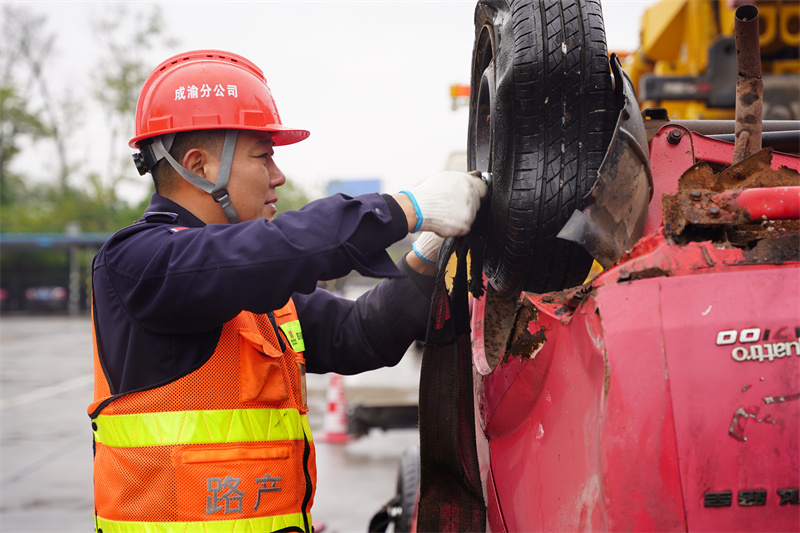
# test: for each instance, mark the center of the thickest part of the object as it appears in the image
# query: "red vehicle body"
(664, 395)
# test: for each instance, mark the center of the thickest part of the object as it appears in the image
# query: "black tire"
(407, 487)
(541, 117)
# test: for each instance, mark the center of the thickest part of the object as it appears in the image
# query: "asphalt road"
(46, 377)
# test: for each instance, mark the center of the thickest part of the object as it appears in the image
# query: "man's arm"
(198, 278)
(374, 331)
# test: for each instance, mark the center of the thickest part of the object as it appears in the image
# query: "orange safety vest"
(226, 447)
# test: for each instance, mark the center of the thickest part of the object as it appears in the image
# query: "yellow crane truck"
(686, 62)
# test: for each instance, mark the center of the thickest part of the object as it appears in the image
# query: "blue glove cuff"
(421, 258)
(416, 210)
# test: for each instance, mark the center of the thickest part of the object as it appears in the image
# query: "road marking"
(46, 392)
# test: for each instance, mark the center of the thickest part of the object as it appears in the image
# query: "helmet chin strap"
(217, 190)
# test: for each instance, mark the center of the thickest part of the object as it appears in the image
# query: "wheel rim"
(483, 124)
(480, 139)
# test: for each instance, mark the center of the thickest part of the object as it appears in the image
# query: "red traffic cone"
(334, 423)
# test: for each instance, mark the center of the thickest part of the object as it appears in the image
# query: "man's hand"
(446, 203)
(425, 253)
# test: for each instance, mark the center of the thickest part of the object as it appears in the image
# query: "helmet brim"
(281, 135)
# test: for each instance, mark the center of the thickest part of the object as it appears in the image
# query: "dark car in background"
(51, 298)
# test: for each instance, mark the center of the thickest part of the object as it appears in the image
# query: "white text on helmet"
(205, 91)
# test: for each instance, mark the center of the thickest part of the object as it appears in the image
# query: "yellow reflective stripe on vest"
(265, 524)
(200, 427)
(294, 333)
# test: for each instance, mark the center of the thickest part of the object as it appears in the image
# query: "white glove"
(426, 247)
(446, 203)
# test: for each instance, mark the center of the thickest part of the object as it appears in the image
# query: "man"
(206, 313)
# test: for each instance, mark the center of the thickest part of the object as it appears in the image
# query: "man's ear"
(199, 161)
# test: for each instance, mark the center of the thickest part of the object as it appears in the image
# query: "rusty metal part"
(523, 343)
(752, 173)
(501, 329)
(740, 195)
(576, 296)
(749, 85)
(736, 207)
(645, 273)
(616, 218)
(706, 156)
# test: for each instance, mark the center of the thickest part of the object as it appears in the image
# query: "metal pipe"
(714, 127)
(787, 142)
(765, 203)
(717, 127)
(749, 86)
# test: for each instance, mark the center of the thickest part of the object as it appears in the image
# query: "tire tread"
(563, 118)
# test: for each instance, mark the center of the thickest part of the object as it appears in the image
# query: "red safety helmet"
(208, 89)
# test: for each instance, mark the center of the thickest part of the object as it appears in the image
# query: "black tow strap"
(451, 498)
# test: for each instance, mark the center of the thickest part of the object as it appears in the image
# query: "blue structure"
(353, 187)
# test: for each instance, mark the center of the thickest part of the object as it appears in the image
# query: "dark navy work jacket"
(164, 287)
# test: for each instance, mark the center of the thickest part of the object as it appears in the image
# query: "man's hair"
(165, 177)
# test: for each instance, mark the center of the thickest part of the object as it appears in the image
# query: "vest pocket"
(261, 377)
(225, 482)
(235, 454)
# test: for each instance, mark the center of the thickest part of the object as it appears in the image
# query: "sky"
(369, 79)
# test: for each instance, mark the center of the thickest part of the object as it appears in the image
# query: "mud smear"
(498, 325)
(780, 248)
(523, 343)
(506, 328)
(781, 399)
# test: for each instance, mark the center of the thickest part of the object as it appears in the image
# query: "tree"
(28, 113)
(121, 73)
(16, 122)
(27, 51)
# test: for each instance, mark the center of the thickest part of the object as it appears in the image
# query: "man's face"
(254, 176)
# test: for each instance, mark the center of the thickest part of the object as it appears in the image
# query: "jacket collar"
(180, 215)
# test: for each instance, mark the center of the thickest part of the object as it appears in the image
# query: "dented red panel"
(642, 483)
(732, 350)
(541, 416)
(633, 417)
